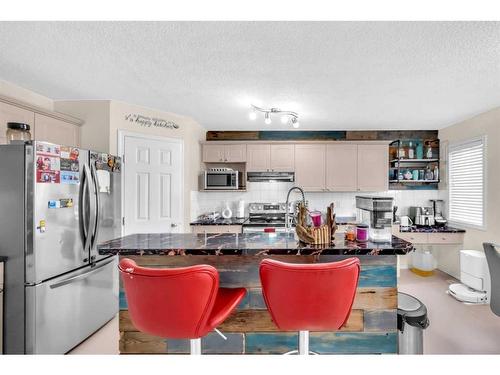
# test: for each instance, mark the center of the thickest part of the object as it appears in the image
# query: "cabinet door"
(258, 158)
(341, 167)
(310, 166)
(213, 153)
(56, 131)
(282, 158)
(235, 153)
(373, 167)
(11, 113)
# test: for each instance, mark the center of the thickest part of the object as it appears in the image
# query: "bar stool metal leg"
(195, 346)
(303, 342)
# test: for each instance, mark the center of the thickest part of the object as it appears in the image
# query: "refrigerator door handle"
(84, 199)
(98, 205)
(72, 279)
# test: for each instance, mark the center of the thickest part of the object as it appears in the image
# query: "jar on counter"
(17, 131)
(350, 233)
(362, 232)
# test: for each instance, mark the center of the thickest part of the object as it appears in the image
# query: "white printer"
(475, 278)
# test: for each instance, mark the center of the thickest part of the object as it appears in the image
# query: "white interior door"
(152, 190)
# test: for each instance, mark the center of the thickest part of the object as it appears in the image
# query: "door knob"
(173, 225)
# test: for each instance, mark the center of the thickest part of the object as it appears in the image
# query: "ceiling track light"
(286, 116)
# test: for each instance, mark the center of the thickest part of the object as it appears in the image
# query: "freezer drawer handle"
(79, 277)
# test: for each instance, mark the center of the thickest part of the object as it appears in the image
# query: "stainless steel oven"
(222, 179)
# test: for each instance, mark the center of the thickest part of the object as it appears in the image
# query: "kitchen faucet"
(287, 212)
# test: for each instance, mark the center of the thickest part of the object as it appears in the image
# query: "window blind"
(466, 182)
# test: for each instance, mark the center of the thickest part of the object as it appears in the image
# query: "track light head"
(267, 118)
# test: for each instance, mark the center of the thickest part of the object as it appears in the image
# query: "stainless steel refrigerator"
(56, 204)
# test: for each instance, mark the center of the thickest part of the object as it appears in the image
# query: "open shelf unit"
(400, 164)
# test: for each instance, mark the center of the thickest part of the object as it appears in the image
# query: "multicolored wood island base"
(371, 328)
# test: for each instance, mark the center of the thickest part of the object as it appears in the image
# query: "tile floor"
(455, 328)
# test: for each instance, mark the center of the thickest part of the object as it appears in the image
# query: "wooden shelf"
(223, 190)
(410, 181)
(414, 160)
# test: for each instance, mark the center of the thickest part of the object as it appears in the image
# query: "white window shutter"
(466, 183)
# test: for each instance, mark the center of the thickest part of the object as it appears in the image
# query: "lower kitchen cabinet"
(434, 238)
(214, 229)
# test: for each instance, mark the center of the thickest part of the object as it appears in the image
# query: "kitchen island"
(371, 328)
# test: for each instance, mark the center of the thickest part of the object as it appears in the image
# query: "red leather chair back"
(170, 303)
(309, 297)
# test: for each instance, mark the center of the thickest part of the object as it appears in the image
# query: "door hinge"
(123, 220)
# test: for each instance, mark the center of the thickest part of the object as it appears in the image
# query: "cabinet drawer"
(446, 238)
(415, 238)
(202, 229)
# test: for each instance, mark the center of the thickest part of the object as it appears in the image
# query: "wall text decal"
(148, 122)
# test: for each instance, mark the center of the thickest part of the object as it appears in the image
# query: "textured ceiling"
(336, 75)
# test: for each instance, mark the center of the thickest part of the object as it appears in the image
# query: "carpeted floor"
(455, 328)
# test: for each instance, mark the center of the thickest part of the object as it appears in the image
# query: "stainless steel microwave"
(223, 180)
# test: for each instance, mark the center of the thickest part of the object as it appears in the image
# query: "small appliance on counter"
(475, 277)
(437, 207)
(376, 212)
(422, 216)
(222, 179)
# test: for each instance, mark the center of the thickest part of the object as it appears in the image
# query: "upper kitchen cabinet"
(10, 113)
(270, 157)
(373, 167)
(235, 153)
(282, 157)
(310, 166)
(221, 153)
(341, 167)
(258, 157)
(56, 131)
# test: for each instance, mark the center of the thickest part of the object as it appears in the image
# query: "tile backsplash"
(345, 205)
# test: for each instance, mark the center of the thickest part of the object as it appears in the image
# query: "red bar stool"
(177, 303)
(309, 297)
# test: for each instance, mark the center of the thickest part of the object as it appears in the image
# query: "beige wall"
(104, 118)
(488, 124)
(27, 96)
(94, 133)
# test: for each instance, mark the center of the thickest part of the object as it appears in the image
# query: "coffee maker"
(437, 206)
(376, 212)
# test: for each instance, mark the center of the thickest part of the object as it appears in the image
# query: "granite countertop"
(236, 221)
(220, 221)
(415, 229)
(244, 244)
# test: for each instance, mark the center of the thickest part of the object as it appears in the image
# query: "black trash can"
(412, 320)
